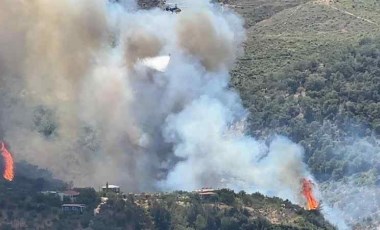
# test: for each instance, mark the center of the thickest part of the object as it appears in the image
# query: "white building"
(111, 188)
(70, 195)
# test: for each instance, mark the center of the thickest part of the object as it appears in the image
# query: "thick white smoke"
(76, 99)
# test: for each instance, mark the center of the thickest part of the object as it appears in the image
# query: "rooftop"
(205, 190)
(111, 186)
(49, 192)
(207, 193)
(71, 193)
(74, 205)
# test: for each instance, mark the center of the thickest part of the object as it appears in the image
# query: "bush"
(226, 196)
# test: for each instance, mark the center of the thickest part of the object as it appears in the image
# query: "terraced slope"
(283, 32)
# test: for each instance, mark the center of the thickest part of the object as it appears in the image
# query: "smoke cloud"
(76, 100)
(356, 196)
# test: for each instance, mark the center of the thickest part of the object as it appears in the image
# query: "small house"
(46, 193)
(71, 195)
(111, 188)
(206, 192)
(73, 208)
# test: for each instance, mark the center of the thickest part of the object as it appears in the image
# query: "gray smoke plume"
(76, 100)
(357, 194)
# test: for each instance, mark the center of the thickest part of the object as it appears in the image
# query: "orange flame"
(9, 168)
(307, 191)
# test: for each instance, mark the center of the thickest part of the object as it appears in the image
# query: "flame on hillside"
(8, 161)
(307, 191)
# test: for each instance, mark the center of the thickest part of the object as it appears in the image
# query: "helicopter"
(172, 9)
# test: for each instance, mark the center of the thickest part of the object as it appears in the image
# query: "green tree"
(161, 217)
(200, 223)
(226, 196)
(88, 197)
(228, 223)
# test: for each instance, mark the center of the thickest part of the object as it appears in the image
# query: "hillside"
(307, 37)
(289, 31)
(21, 203)
(223, 209)
(23, 206)
(82, 108)
(310, 71)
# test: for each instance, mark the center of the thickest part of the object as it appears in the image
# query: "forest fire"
(9, 168)
(307, 191)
